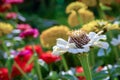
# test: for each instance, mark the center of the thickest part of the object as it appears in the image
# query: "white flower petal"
(91, 35)
(101, 44)
(61, 41)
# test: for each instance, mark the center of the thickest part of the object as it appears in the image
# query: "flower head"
(29, 33)
(4, 7)
(106, 1)
(49, 36)
(13, 1)
(80, 70)
(90, 3)
(75, 6)
(11, 15)
(85, 15)
(79, 42)
(23, 26)
(98, 25)
(48, 57)
(116, 41)
(5, 28)
(21, 60)
(4, 74)
(37, 48)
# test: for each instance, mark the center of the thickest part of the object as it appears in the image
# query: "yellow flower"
(75, 6)
(5, 28)
(90, 3)
(90, 27)
(98, 25)
(49, 36)
(84, 15)
(106, 1)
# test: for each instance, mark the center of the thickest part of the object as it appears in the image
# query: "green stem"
(79, 19)
(114, 49)
(107, 65)
(92, 58)
(100, 11)
(85, 64)
(37, 66)
(64, 63)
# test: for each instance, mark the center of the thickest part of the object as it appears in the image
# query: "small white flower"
(67, 72)
(116, 41)
(41, 62)
(17, 38)
(79, 42)
(16, 31)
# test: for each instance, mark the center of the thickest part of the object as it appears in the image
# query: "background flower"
(49, 36)
(29, 33)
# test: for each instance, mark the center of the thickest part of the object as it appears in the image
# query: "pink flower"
(11, 15)
(29, 33)
(13, 1)
(23, 26)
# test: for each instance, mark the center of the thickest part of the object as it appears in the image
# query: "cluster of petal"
(106, 1)
(75, 6)
(63, 46)
(49, 36)
(93, 3)
(21, 60)
(4, 74)
(80, 70)
(116, 41)
(4, 7)
(13, 1)
(11, 15)
(84, 14)
(90, 3)
(29, 33)
(5, 28)
(49, 58)
(23, 27)
(98, 25)
(37, 48)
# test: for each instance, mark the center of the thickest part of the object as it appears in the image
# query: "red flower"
(37, 48)
(11, 15)
(80, 70)
(48, 57)
(4, 7)
(29, 33)
(13, 1)
(23, 26)
(4, 74)
(21, 60)
(99, 69)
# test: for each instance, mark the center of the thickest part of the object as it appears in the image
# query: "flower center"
(78, 37)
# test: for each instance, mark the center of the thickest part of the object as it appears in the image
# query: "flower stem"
(100, 11)
(114, 48)
(85, 64)
(92, 58)
(37, 66)
(107, 65)
(64, 63)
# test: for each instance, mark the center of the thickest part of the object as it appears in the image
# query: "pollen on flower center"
(78, 37)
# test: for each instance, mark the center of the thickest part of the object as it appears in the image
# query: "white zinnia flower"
(116, 41)
(79, 42)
